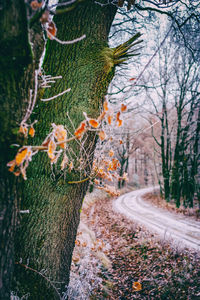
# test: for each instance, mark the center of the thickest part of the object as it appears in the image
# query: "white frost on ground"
(181, 230)
(88, 257)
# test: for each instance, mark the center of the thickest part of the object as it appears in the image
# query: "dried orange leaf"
(77, 242)
(23, 129)
(46, 143)
(94, 123)
(137, 286)
(60, 133)
(21, 156)
(123, 107)
(111, 153)
(63, 145)
(12, 165)
(110, 117)
(101, 171)
(64, 162)
(102, 135)
(110, 167)
(80, 130)
(117, 115)
(32, 131)
(115, 164)
(36, 5)
(96, 181)
(110, 190)
(17, 173)
(51, 28)
(119, 123)
(51, 149)
(105, 106)
(55, 158)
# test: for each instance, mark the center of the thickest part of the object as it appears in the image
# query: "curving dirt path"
(180, 229)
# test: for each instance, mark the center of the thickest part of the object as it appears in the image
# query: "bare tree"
(174, 95)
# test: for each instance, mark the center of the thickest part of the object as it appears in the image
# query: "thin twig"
(54, 97)
(65, 42)
(46, 147)
(31, 104)
(50, 282)
(80, 181)
(150, 60)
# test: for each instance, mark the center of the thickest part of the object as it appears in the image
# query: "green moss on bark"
(47, 234)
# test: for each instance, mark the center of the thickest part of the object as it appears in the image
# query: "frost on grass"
(84, 278)
(89, 258)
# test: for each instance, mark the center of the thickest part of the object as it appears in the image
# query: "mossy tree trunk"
(46, 235)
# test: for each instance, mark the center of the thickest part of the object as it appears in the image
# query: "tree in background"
(174, 95)
(184, 172)
(183, 35)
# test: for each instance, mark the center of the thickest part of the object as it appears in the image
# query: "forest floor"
(116, 258)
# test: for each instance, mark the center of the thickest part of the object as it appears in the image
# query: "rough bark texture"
(15, 55)
(46, 235)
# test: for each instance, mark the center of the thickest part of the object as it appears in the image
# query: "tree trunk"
(15, 56)
(46, 236)
(175, 178)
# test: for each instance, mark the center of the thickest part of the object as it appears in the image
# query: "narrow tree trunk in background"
(175, 179)
(146, 174)
(47, 234)
(123, 168)
(194, 159)
(165, 154)
(136, 166)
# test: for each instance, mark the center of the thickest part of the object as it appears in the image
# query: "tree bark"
(15, 56)
(46, 236)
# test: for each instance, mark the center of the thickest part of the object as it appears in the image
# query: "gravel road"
(181, 230)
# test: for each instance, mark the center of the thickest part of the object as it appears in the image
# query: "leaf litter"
(124, 260)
